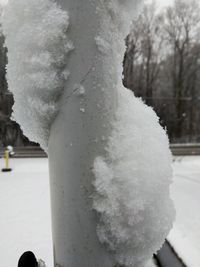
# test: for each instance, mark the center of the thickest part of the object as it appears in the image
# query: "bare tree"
(144, 53)
(182, 26)
(162, 65)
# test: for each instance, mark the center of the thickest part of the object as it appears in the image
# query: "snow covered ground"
(25, 211)
(185, 236)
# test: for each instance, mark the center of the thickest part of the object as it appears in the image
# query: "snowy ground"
(185, 236)
(25, 212)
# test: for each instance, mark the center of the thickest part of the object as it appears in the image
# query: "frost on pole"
(37, 42)
(131, 175)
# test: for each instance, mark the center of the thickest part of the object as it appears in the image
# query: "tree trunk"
(81, 128)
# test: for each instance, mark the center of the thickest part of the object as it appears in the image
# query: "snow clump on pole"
(38, 45)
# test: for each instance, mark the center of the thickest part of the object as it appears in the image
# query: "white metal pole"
(79, 132)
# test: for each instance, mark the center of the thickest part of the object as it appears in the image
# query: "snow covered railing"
(37, 152)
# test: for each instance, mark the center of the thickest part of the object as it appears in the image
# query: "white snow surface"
(185, 235)
(132, 184)
(37, 42)
(25, 217)
(25, 211)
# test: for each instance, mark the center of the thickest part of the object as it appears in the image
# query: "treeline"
(162, 65)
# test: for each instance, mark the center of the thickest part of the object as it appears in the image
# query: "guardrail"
(37, 152)
(185, 149)
(27, 152)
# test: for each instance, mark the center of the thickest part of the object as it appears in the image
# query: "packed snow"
(38, 45)
(116, 17)
(41, 263)
(132, 184)
(133, 178)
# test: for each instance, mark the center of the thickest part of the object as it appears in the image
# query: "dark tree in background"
(182, 27)
(143, 55)
(162, 65)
